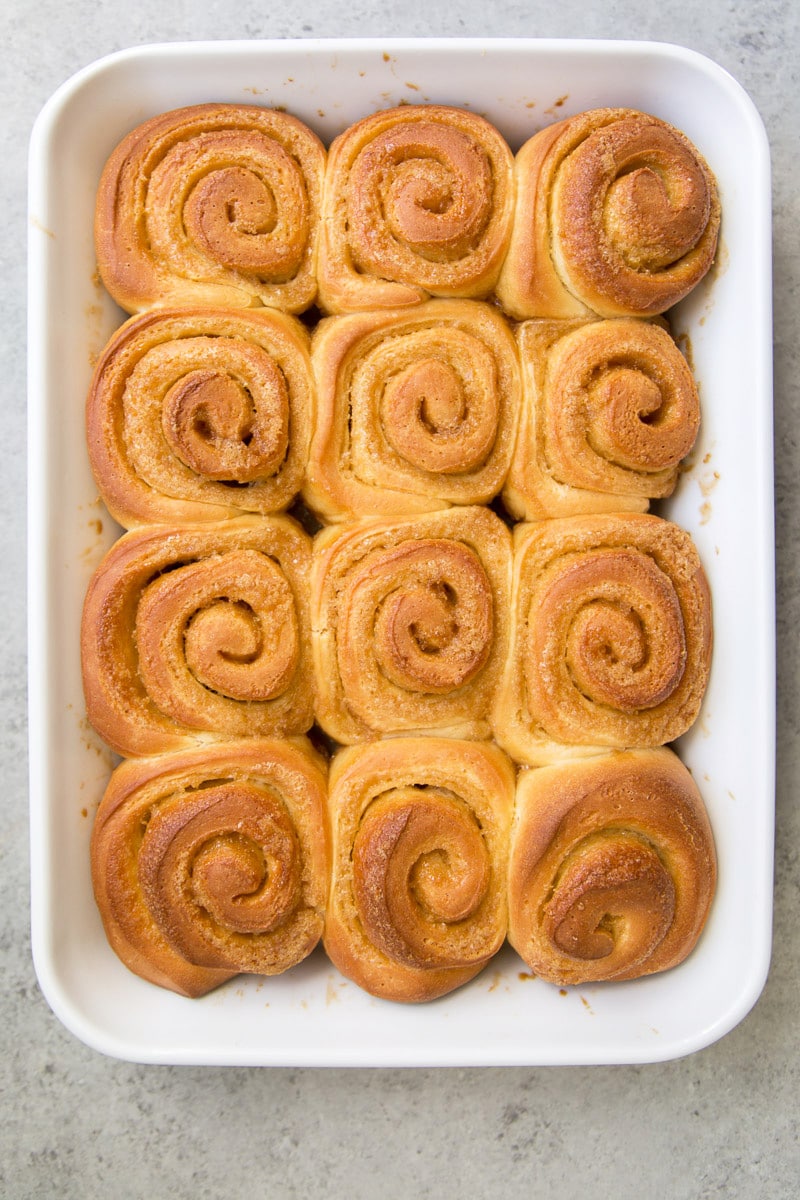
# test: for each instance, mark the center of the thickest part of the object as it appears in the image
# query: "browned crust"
(345, 556)
(354, 469)
(348, 285)
(136, 791)
(117, 700)
(542, 712)
(562, 262)
(119, 396)
(136, 276)
(642, 806)
(483, 778)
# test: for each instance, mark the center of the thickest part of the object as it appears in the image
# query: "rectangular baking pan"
(312, 1016)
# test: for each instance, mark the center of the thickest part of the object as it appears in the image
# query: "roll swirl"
(612, 867)
(410, 624)
(213, 862)
(617, 213)
(201, 415)
(420, 844)
(611, 637)
(610, 410)
(212, 204)
(196, 633)
(418, 202)
(417, 410)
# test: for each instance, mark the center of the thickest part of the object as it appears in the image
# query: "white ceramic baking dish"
(312, 1016)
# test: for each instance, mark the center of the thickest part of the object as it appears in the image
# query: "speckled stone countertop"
(722, 1122)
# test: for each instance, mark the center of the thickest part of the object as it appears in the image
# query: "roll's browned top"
(418, 202)
(196, 633)
(201, 414)
(410, 624)
(212, 862)
(612, 869)
(610, 409)
(417, 410)
(212, 204)
(616, 213)
(420, 842)
(611, 637)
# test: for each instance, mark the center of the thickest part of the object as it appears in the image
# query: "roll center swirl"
(435, 418)
(235, 198)
(613, 896)
(227, 211)
(655, 212)
(629, 387)
(220, 867)
(215, 425)
(421, 870)
(429, 604)
(221, 406)
(429, 186)
(227, 623)
(611, 627)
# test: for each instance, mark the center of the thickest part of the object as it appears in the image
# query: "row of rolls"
(411, 859)
(564, 637)
(611, 211)
(391, 646)
(204, 414)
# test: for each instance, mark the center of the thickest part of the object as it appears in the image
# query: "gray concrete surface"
(723, 1122)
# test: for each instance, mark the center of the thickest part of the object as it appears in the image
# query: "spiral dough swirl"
(218, 203)
(617, 213)
(199, 632)
(201, 415)
(418, 203)
(420, 829)
(209, 863)
(611, 409)
(417, 410)
(420, 869)
(612, 867)
(612, 637)
(410, 623)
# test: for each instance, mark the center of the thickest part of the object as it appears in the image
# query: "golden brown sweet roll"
(213, 204)
(201, 415)
(612, 868)
(410, 624)
(617, 213)
(610, 409)
(611, 637)
(417, 410)
(419, 829)
(193, 633)
(418, 202)
(213, 862)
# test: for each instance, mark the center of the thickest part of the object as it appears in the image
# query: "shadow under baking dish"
(312, 1016)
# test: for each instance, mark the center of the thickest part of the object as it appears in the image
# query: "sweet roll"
(417, 410)
(612, 867)
(418, 202)
(610, 409)
(214, 204)
(201, 414)
(197, 633)
(410, 624)
(617, 213)
(610, 641)
(212, 862)
(419, 831)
